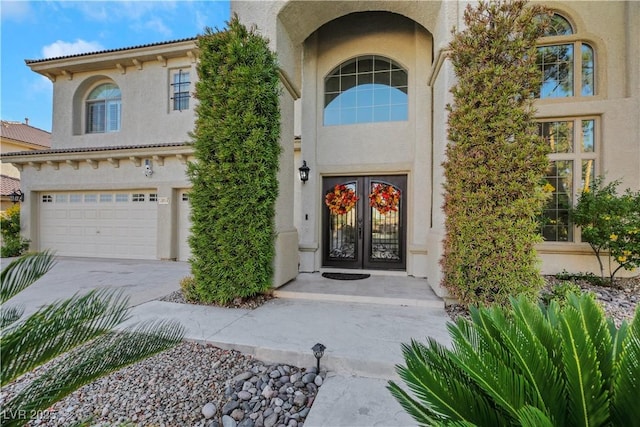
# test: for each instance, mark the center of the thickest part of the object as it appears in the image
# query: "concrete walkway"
(362, 323)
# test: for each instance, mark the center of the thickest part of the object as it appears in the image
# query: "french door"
(364, 221)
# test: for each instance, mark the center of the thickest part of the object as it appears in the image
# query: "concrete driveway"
(142, 280)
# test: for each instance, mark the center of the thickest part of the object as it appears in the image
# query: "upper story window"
(366, 89)
(180, 85)
(567, 64)
(104, 109)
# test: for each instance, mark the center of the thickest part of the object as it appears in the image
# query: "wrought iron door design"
(364, 222)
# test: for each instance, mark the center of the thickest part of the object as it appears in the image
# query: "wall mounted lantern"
(16, 196)
(148, 170)
(304, 172)
(318, 352)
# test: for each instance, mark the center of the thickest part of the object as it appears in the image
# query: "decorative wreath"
(341, 200)
(385, 198)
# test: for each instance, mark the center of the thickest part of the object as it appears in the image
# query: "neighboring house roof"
(8, 185)
(22, 132)
(35, 61)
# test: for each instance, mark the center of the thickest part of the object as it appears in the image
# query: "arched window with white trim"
(104, 109)
(366, 89)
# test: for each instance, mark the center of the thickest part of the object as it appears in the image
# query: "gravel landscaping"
(191, 385)
(618, 301)
(198, 384)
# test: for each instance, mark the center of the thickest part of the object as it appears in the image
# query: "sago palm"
(76, 336)
(527, 365)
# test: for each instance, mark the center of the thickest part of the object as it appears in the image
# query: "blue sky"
(48, 29)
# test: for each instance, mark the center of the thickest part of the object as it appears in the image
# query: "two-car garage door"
(110, 224)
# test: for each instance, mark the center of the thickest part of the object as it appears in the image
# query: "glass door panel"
(363, 222)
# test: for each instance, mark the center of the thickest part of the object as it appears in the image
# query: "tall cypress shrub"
(234, 177)
(495, 159)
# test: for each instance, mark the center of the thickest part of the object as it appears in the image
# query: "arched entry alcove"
(366, 113)
(311, 39)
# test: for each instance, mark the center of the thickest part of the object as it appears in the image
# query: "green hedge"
(234, 177)
(495, 160)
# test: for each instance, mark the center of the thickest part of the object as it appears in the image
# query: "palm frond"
(595, 324)
(534, 344)
(58, 328)
(444, 391)
(488, 365)
(105, 354)
(529, 416)
(23, 272)
(586, 391)
(419, 412)
(8, 316)
(618, 335)
(523, 353)
(625, 408)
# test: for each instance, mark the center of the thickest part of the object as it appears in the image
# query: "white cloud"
(155, 25)
(61, 48)
(117, 11)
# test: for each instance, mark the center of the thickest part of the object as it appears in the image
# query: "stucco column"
(286, 243)
(167, 227)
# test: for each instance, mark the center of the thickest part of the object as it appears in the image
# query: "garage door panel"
(75, 213)
(60, 214)
(106, 214)
(75, 231)
(98, 224)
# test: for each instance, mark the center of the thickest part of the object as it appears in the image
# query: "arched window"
(104, 109)
(366, 89)
(560, 61)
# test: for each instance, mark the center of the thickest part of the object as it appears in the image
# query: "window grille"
(180, 90)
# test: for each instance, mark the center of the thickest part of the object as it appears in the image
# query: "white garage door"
(109, 224)
(184, 226)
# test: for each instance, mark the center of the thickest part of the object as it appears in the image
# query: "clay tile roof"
(93, 149)
(25, 133)
(8, 185)
(35, 61)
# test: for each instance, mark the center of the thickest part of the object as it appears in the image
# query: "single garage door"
(184, 226)
(109, 224)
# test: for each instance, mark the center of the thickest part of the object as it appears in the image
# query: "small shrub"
(610, 223)
(577, 277)
(13, 244)
(188, 287)
(560, 293)
(527, 365)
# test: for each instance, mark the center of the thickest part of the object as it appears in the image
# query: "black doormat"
(345, 276)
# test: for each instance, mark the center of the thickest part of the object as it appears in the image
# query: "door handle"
(360, 228)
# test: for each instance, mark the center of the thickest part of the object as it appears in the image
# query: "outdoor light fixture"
(16, 196)
(148, 170)
(304, 174)
(318, 351)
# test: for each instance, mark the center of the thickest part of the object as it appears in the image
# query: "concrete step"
(395, 290)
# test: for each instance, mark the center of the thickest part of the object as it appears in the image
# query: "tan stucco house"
(17, 137)
(365, 86)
